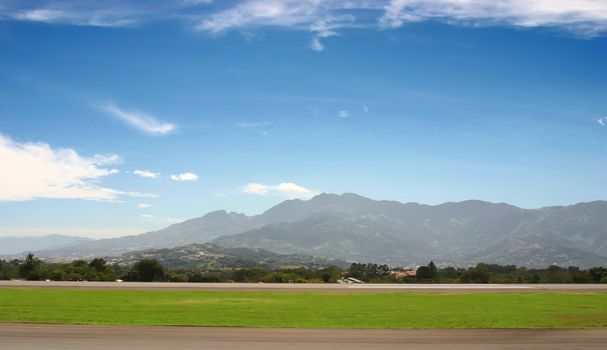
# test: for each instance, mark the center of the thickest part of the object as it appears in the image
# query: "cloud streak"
(79, 13)
(147, 174)
(138, 120)
(286, 189)
(184, 177)
(321, 18)
(252, 125)
(583, 17)
(35, 170)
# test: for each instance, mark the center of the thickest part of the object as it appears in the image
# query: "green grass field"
(305, 309)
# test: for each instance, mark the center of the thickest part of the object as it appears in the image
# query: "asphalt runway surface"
(316, 287)
(67, 337)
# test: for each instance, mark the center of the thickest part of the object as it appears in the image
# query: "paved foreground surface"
(309, 286)
(50, 337)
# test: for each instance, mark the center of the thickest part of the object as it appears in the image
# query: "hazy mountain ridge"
(354, 228)
(14, 245)
(197, 230)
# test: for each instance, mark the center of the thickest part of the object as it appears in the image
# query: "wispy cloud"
(316, 45)
(343, 114)
(146, 216)
(602, 121)
(314, 110)
(583, 17)
(252, 125)
(326, 18)
(138, 120)
(143, 205)
(36, 170)
(365, 108)
(80, 14)
(321, 18)
(286, 189)
(279, 13)
(184, 177)
(147, 174)
(196, 2)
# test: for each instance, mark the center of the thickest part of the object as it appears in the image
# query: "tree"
(426, 272)
(330, 274)
(477, 274)
(29, 268)
(249, 275)
(555, 274)
(146, 270)
(432, 270)
(598, 273)
(98, 264)
(422, 273)
(450, 273)
(368, 272)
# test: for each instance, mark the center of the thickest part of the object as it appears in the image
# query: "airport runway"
(67, 337)
(310, 286)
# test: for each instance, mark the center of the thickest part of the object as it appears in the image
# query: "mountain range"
(354, 228)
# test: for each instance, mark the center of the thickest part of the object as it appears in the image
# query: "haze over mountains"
(14, 245)
(354, 228)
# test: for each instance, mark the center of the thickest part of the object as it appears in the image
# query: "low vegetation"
(305, 309)
(147, 270)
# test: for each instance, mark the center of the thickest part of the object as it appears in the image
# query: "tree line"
(148, 270)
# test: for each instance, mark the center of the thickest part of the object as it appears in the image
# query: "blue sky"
(118, 117)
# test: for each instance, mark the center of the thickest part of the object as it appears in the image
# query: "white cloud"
(184, 177)
(284, 13)
(287, 189)
(343, 114)
(144, 205)
(256, 188)
(602, 121)
(35, 170)
(322, 18)
(316, 45)
(139, 120)
(146, 216)
(107, 159)
(78, 15)
(583, 17)
(365, 108)
(147, 174)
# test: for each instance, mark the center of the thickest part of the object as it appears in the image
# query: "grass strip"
(306, 309)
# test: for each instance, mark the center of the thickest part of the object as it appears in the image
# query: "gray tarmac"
(67, 337)
(309, 286)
